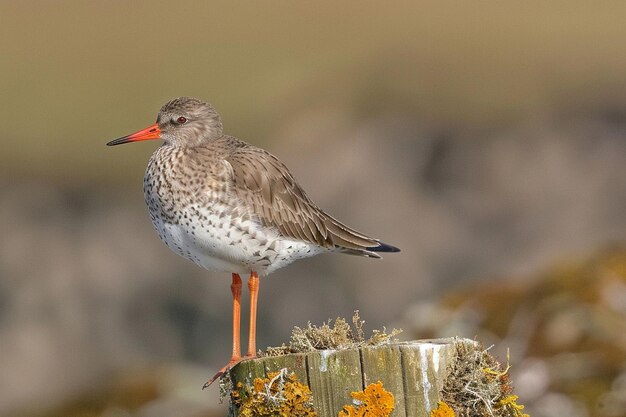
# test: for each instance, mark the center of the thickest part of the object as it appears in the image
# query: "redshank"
(232, 207)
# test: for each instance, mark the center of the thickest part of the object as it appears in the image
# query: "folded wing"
(271, 194)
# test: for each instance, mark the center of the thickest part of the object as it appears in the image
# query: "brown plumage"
(230, 206)
(271, 194)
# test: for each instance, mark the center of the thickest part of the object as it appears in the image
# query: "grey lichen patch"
(338, 335)
(226, 386)
(477, 385)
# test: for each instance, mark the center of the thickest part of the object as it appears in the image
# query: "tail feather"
(370, 252)
(360, 252)
(347, 240)
(383, 247)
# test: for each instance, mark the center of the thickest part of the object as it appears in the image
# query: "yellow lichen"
(497, 373)
(511, 407)
(277, 395)
(373, 401)
(442, 410)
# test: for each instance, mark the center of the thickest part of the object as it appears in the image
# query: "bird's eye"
(181, 120)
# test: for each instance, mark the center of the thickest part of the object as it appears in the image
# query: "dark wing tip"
(383, 247)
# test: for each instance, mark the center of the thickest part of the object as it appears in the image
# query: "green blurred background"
(487, 140)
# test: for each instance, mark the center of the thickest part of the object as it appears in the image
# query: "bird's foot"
(226, 368)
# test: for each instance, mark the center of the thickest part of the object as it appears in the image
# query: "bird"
(232, 207)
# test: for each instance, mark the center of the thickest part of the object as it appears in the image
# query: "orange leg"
(235, 288)
(253, 286)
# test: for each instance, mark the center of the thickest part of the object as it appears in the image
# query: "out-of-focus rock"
(613, 403)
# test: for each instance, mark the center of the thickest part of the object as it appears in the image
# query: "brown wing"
(274, 197)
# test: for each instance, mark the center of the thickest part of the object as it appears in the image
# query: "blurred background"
(488, 141)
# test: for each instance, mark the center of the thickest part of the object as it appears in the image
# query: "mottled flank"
(232, 207)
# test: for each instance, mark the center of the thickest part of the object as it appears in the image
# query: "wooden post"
(414, 372)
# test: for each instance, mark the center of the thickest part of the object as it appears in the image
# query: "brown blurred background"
(487, 140)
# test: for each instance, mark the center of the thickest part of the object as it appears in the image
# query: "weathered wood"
(295, 363)
(414, 372)
(384, 364)
(246, 371)
(333, 375)
(424, 368)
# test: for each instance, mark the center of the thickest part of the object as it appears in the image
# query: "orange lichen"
(442, 410)
(373, 401)
(277, 395)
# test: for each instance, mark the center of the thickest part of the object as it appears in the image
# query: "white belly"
(218, 242)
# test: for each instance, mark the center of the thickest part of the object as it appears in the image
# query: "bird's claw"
(216, 376)
(227, 368)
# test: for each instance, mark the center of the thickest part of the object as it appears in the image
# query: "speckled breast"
(195, 216)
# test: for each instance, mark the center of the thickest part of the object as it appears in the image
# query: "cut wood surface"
(414, 372)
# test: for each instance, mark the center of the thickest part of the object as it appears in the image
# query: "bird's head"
(181, 122)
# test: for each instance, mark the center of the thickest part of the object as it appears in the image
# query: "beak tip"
(151, 132)
(116, 142)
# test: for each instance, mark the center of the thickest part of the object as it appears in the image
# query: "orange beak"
(150, 132)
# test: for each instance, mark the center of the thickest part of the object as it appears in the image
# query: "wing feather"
(273, 197)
